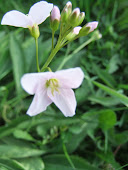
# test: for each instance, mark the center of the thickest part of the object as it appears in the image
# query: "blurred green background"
(96, 137)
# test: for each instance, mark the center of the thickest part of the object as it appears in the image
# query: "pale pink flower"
(55, 14)
(53, 87)
(37, 14)
(93, 25)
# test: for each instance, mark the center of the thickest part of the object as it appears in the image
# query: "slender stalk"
(37, 60)
(117, 149)
(106, 142)
(53, 33)
(61, 27)
(57, 47)
(68, 157)
(83, 45)
(74, 52)
(122, 167)
(53, 53)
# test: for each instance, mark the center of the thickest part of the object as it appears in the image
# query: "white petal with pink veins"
(33, 81)
(40, 11)
(70, 78)
(65, 100)
(15, 18)
(39, 103)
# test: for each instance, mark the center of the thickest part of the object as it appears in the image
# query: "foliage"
(96, 137)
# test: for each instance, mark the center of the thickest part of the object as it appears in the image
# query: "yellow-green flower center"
(53, 84)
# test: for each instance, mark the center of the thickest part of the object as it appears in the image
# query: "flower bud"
(89, 27)
(69, 7)
(55, 18)
(34, 30)
(73, 33)
(92, 25)
(97, 35)
(74, 17)
(81, 17)
(66, 12)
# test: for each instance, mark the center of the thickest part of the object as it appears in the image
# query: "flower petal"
(70, 78)
(39, 103)
(64, 100)
(33, 81)
(15, 18)
(40, 11)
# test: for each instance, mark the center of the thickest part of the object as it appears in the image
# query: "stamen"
(53, 84)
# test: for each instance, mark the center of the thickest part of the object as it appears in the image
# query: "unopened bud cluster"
(71, 19)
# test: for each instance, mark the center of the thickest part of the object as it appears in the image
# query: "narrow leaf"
(11, 164)
(123, 99)
(17, 61)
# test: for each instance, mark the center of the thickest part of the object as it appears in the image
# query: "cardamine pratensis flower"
(37, 14)
(56, 87)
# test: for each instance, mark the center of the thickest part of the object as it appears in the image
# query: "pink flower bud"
(76, 12)
(81, 17)
(68, 4)
(74, 17)
(76, 30)
(66, 12)
(73, 33)
(93, 25)
(55, 14)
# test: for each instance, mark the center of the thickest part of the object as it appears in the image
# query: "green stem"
(68, 157)
(57, 47)
(53, 53)
(61, 27)
(106, 142)
(37, 60)
(53, 32)
(74, 52)
(122, 167)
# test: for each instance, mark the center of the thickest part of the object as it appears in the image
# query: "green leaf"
(108, 158)
(121, 97)
(114, 64)
(5, 66)
(105, 101)
(17, 61)
(11, 164)
(103, 75)
(119, 138)
(81, 93)
(18, 151)
(20, 134)
(35, 163)
(59, 161)
(107, 119)
(7, 130)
